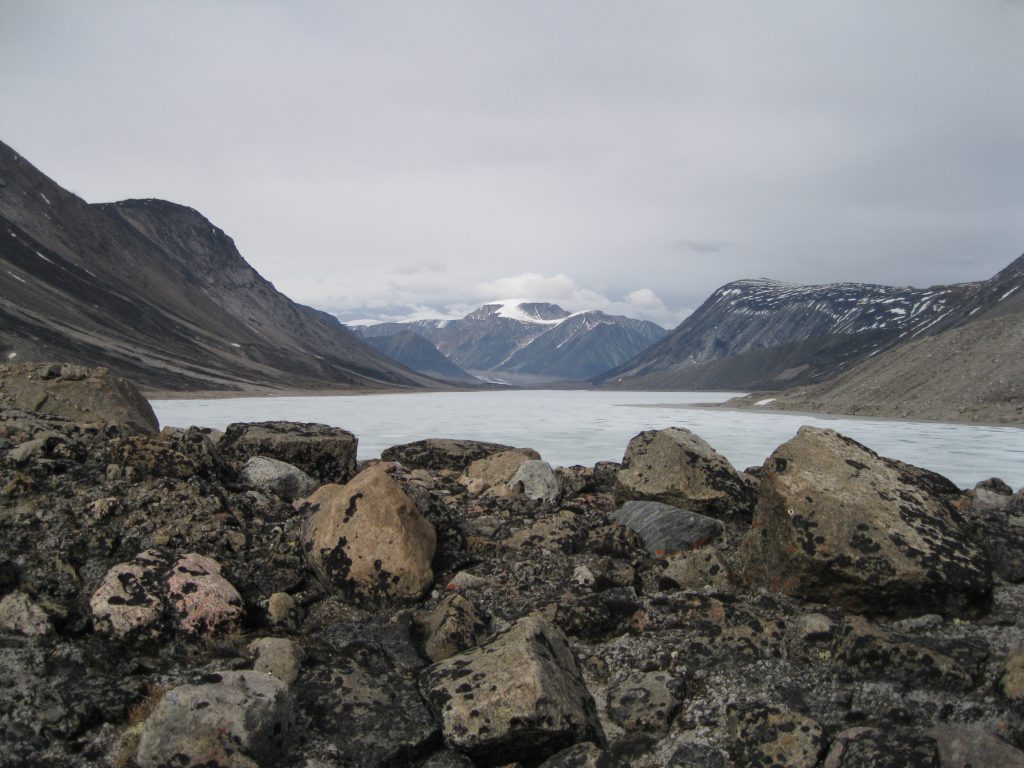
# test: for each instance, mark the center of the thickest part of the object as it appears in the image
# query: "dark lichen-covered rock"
(520, 696)
(837, 523)
(328, 454)
(874, 748)
(585, 755)
(997, 526)
(359, 697)
(774, 736)
(667, 530)
(442, 453)
(452, 627)
(677, 467)
(867, 651)
(367, 539)
(78, 393)
(645, 701)
(230, 719)
(704, 568)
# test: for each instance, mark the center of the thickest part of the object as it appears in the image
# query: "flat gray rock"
(665, 529)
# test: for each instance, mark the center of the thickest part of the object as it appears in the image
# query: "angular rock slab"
(328, 454)
(236, 719)
(367, 539)
(961, 744)
(520, 696)
(667, 530)
(837, 523)
(677, 467)
(441, 453)
(278, 477)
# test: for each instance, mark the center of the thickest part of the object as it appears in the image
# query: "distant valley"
(160, 294)
(528, 343)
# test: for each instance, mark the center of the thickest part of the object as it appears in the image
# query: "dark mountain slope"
(765, 333)
(415, 352)
(158, 293)
(973, 370)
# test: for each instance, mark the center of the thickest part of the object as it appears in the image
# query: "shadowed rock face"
(837, 523)
(327, 454)
(441, 453)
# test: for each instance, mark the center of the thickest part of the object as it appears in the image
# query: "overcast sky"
(410, 159)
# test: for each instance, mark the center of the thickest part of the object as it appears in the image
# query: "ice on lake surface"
(582, 427)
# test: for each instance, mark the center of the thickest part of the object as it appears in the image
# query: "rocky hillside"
(973, 372)
(415, 352)
(763, 334)
(259, 598)
(532, 342)
(157, 292)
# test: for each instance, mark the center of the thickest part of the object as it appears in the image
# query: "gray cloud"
(351, 148)
(701, 246)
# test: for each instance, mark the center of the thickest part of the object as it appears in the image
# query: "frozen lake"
(581, 427)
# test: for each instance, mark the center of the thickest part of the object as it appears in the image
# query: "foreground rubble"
(160, 604)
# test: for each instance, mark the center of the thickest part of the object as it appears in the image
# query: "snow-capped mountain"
(583, 345)
(517, 341)
(766, 334)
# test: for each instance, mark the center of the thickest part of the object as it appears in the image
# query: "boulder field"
(261, 598)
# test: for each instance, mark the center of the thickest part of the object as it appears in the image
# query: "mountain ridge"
(157, 292)
(768, 334)
(531, 342)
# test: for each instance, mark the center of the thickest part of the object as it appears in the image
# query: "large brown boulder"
(499, 468)
(367, 539)
(518, 697)
(77, 393)
(328, 454)
(839, 524)
(441, 453)
(676, 467)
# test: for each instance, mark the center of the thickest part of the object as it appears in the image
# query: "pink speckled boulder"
(202, 601)
(155, 592)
